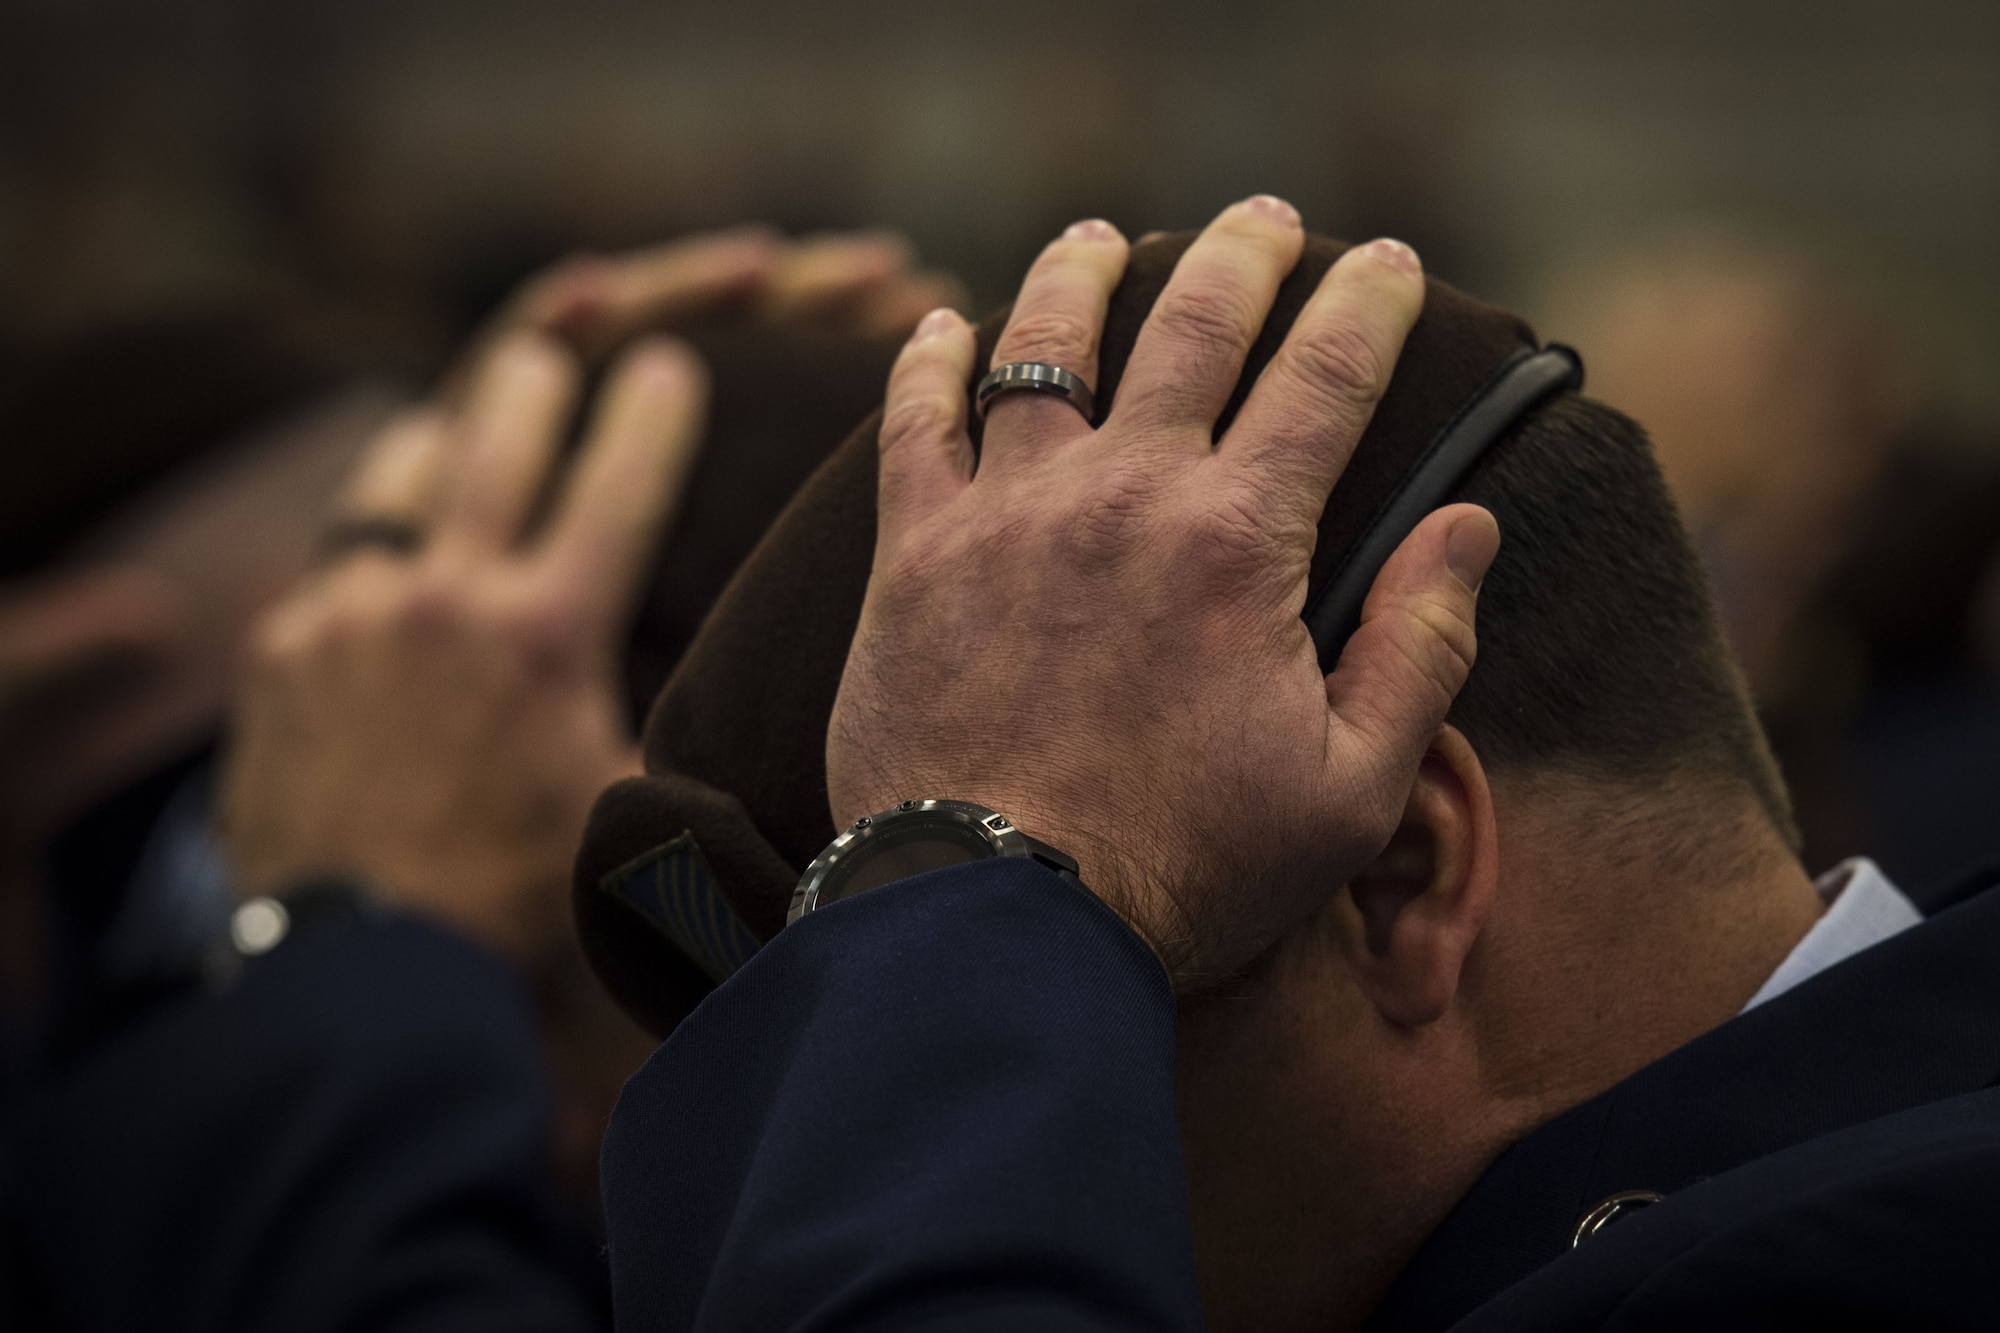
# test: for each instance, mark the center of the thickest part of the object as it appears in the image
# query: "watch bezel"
(993, 829)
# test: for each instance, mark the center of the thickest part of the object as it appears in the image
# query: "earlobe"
(1419, 905)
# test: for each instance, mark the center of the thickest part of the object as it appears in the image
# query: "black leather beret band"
(1514, 389)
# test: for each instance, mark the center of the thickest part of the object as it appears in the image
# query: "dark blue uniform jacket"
(352, 1138)
(948, 1104)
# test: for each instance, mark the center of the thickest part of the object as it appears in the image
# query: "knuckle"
(1059, 337)
(1441, 645)
(1229, 537)
(1460, 639)
(1213, 319)
(917, 419)
(1418, 651)
(1109, 515)
(1341, 366)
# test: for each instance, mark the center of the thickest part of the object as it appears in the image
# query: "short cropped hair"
(1600, 651)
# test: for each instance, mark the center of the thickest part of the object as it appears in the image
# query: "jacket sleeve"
(353, 1136)
(947, 1103)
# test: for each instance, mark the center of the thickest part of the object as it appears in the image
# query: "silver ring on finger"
(1034, 377)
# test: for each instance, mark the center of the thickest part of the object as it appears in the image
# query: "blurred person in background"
(161, 481)
(117, 643)
(165, 481)
(1845, 536)
(340, 1118)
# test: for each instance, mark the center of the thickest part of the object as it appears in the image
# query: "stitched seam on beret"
(1388, 502)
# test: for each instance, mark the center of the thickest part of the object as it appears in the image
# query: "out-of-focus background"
(399, 161)
(1770, 224)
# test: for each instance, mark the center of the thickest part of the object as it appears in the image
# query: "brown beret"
(686, 871)
(780, 399)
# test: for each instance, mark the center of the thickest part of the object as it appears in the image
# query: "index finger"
(821, 275)
(597, 302)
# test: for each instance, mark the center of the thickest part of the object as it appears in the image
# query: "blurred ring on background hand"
(1037, 377)
(395, 536)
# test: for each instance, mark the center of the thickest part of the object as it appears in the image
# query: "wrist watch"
(910, 839)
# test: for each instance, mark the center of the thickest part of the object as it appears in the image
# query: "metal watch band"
(985, 834)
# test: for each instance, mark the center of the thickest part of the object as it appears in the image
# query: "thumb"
(1398, 675)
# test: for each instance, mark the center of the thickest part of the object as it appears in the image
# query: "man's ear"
(1418, 907)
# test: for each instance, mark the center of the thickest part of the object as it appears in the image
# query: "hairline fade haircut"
(1600, 650)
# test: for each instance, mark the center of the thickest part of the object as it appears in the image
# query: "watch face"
(908, 847)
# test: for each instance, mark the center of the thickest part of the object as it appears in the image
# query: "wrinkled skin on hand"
(1097, 631)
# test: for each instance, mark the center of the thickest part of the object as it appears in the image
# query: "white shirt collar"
(1863, 909)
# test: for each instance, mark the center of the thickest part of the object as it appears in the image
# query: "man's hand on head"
(1096, 631)
(438, 722)
(865, 284)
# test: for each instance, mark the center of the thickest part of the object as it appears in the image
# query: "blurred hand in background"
(863, 283)
(439, 721)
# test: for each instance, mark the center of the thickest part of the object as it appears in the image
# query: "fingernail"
(1396, 255)
(1090, 229)
(939, 321)
(1469, 549)
(1273, 208)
